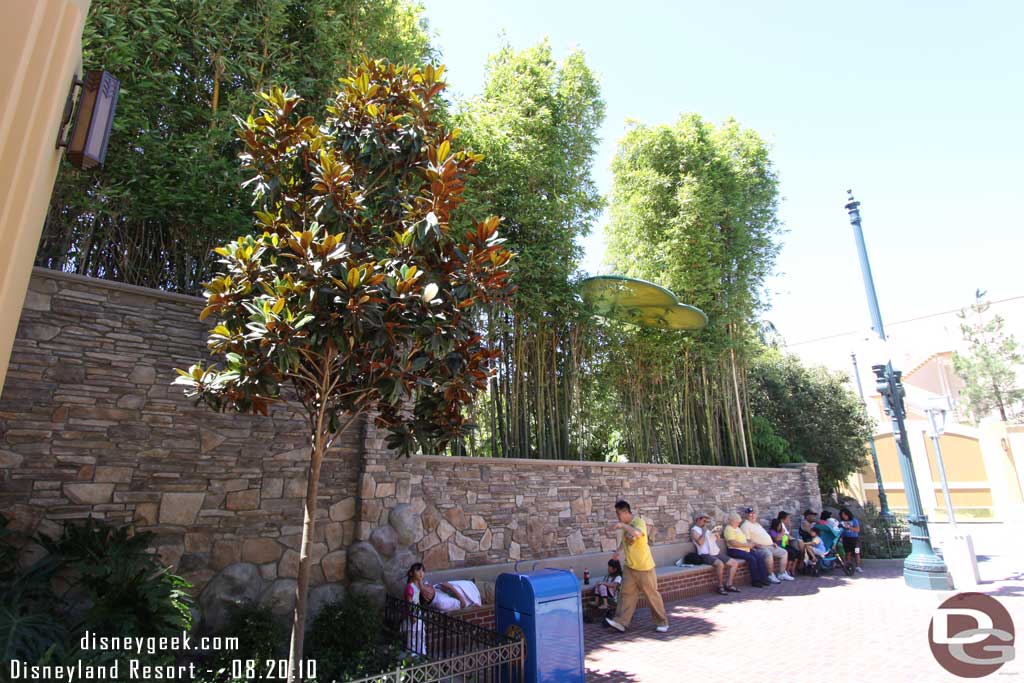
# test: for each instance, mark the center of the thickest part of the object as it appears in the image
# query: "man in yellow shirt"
(638, 576)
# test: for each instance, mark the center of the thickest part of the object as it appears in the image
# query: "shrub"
(883, 538)
(118, 583)
(348, 641)
(261, 636)
(114, 586)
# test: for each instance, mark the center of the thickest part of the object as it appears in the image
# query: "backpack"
(693, 558)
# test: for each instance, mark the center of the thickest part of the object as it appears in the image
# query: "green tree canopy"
(170, 189)
(814, 411)
(694, 210)
(536, 123)
(989, 367)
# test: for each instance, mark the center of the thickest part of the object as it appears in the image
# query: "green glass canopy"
(639, 302)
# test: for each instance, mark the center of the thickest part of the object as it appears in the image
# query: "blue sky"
(917, 106)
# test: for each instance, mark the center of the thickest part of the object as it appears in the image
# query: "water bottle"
(586, 577)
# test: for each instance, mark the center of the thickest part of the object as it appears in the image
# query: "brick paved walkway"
(868, 629)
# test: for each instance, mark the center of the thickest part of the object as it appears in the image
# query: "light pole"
(958, 549)
(922, 568)
(882, 500)
(937, 423)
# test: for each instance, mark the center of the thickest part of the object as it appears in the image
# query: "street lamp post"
(883, 501)
(958, 549)
(922, 568)
(937, 426)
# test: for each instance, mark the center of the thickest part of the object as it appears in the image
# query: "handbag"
(693, 558)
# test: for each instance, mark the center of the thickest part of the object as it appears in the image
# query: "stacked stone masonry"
(474, 511)
(91, 426)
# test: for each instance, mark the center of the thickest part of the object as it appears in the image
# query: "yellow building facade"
(983, 464)
(40, 54)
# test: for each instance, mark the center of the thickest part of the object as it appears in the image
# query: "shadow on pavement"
(610, 677)
(1002, 591)
(685, 616)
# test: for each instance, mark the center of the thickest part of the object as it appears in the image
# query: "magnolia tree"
(354, 295)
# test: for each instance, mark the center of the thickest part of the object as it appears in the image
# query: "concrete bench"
(674, 582)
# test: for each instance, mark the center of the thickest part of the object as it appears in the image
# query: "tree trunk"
(305, 557)
(999, 401)
(218, 70)
(319, 445)
(739, 409)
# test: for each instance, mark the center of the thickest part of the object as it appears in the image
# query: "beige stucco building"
(40, 53)
(984, 464)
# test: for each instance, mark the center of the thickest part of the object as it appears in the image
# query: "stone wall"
(473, 511)
(90, 425)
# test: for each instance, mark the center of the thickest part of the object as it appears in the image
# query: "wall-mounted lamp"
(86, 144)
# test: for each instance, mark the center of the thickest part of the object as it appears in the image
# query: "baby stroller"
(832, 542)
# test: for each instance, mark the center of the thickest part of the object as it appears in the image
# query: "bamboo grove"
(693, 209)
(536, 124)
(171, 189)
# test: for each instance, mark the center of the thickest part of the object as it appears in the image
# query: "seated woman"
(780, 535)
(450, 595)
(739, 547)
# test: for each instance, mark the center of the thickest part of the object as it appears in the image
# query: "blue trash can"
(546, 610)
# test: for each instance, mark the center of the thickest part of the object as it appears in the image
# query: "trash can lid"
(520, 591)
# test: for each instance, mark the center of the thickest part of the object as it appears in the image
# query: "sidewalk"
(870, 628)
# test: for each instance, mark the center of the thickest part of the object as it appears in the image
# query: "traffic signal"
(884, 387)
(881, 380)
(890, 385)
(898, 393)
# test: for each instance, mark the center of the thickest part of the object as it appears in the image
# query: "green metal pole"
(922, 568)
(882, 500)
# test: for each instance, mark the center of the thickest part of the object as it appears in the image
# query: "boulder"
(334, 565)
(279, 598)
(385, 540)
(364, 563)
(236, 585)
(396, 571)
(406, 523)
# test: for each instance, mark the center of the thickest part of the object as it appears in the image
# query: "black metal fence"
(448, 649)
(885, 538)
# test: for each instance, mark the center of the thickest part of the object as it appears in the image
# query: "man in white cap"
(705, 540)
